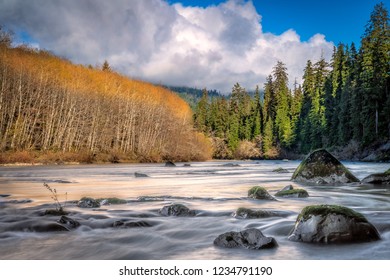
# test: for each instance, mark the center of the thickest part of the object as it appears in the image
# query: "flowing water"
(213, 189)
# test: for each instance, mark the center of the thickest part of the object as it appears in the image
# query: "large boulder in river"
(332, 224)
(320, 167)
(251, 238)
(378, 178)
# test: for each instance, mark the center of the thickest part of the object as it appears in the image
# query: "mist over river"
(213, 189)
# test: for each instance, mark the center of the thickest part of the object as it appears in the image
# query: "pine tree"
(375, 52)
(282, 117)
(201, 118)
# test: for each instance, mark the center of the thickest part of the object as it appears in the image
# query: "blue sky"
(339, 20)
(197, 43)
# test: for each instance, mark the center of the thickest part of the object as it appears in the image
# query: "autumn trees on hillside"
(48, 104)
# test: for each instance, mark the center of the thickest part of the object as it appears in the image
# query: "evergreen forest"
(342, 104)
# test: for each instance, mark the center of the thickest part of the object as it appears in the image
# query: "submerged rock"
(111, 200)
(378, 178)
(170, 164)
(290, 191)
(259, 193)
(280, 170)
(246, 213)
(56, 212)
(187, 165)
(70, 223)
(332, 224)
(87, 202)
(122, 224)
(250, 239)
(140, 175)
(176, 210)
(47, 227)
(320, 167)
(231, 165)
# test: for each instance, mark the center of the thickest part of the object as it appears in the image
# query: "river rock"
(47, 227)
(246, 213)
(56, 212)
(251, 238)
(320, 167)
(280, 170)
(259, 193)
(170, 164)
(140, 175)
(332, 224)
(122, 224)
(290, 191)
(378, 178)
(176, 210)
(87, 202)
(68, 222)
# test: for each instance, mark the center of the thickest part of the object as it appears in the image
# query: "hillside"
(53, 110)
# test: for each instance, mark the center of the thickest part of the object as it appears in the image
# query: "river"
(213, 189)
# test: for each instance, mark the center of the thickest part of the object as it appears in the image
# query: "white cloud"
(211, 47)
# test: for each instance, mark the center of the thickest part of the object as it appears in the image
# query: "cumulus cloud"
(211, 47)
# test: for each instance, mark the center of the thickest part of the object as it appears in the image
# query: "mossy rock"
(320, 167)
(299, 193)
(88, 202)
(332, 224)
(378, 178)
(259, 193)
(246, 213)
(111, 200)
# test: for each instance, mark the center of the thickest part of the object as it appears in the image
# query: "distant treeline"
(52, 110)
(341, 103)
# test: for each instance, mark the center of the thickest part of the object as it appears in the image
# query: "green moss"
(387, 172)
(280, 170)
(259, 193)
(300, 192)
(323, 210)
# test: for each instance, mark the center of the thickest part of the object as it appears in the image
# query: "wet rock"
(111, 200)
(259, 193)
(231, 165)
(68, 222)
(140, 175)
(187, 165)
(250, 239)
(56, 212)
(378, 178)
(170, 164)
(16, 201)
(87, 202)
(5, 195)
(332, 224)
(47, 227)
(320, 167)
(176, 210)
(246, 213)
(62, 181)
(280, 170)
(121, 224)
(290, 191)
